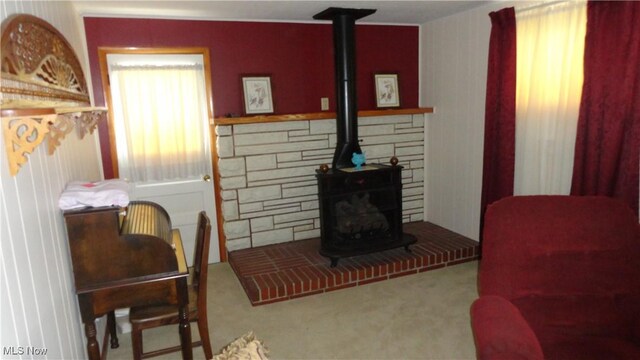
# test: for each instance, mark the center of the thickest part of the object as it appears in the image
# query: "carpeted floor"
(420, 316)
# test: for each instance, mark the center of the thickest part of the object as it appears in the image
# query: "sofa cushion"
(592, 348)
(559, 244)
(569, 263)
(505, 333)
(553, 317)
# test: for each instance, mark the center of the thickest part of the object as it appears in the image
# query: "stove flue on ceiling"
(345, 69)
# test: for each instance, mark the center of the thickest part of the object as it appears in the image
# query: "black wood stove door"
(361, 211)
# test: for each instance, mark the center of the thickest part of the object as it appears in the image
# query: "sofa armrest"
(500, 331)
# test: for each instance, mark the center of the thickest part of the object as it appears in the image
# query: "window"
(160, 116)
(550, 46)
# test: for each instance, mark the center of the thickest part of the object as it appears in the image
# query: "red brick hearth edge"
(290, 270)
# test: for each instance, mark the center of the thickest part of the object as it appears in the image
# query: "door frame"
(106, 88)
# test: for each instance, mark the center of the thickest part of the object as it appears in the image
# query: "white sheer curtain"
(160, 120)
(550, 46)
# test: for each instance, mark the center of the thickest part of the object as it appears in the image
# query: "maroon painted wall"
(298, 56)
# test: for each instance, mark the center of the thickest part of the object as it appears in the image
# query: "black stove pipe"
(345, 66)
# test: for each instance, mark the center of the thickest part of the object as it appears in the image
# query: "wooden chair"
(147, 317)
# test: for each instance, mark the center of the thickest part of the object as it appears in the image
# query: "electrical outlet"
(324, 103)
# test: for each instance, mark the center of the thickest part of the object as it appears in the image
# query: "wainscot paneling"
(454, 75)
(38, 306)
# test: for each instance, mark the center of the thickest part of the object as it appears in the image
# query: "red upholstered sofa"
(559, 278)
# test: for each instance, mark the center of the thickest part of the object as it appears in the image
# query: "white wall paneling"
(38, 306)
(453, 81)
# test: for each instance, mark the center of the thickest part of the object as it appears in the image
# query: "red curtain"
(608, 140)
(500, 110)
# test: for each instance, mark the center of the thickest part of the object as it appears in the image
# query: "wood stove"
(361, 211)
(360, 208)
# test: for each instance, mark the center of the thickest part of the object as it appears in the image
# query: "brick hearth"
(294, 269)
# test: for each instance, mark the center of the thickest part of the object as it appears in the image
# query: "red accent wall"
(299, 58)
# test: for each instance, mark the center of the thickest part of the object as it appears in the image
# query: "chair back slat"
(201, 256)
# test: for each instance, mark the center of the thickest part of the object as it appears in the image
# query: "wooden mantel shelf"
(316, 116)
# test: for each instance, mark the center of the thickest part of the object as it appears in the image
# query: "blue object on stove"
(357, 160)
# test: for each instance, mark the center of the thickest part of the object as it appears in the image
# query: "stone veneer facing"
(267, 173)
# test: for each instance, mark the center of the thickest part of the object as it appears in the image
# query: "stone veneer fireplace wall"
(267, 173)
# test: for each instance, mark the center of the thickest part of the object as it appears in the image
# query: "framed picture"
(387, 92)
(258, 98)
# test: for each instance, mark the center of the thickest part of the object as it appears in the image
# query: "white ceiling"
(388, 12)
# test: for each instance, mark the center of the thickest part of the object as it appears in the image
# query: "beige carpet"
(422, 316)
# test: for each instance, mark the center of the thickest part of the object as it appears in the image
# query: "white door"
(188, 189)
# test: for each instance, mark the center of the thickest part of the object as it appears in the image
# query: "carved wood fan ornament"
(43, 89)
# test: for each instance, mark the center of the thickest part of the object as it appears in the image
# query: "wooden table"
(114, 270)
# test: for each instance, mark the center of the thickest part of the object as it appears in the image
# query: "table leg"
(185, 333)
(93, 348)
(183, 317)
(111, 324)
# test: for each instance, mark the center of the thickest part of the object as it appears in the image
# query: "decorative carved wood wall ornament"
(87, 121)
(43, 92)
(22, 135)
(57, 131)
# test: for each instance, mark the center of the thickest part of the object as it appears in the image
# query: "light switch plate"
(324, 103)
